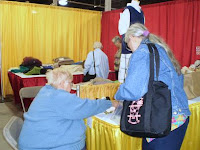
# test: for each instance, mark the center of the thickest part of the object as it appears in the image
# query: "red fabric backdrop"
(177, 22)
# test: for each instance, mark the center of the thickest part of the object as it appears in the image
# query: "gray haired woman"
(135, 85)
(55, 118)
(96, 63)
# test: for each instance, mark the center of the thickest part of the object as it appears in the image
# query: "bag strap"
(151, 67)
(157, 60)
(94, 63)
(150, 85)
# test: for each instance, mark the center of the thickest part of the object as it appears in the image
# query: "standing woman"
(136, 84)
(118, 43)
(96, 64)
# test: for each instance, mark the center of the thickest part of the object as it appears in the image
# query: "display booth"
(47, 32)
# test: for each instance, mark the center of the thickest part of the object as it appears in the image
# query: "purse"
(88, 77)
(151, 115)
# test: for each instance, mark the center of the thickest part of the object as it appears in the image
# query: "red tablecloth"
(17, 82)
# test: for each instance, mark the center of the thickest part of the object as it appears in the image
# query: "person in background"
(55, 118)
(136, 84)
(118, 43)
(131, 14)
(96, 62)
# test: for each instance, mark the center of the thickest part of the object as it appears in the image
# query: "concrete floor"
(7, 110)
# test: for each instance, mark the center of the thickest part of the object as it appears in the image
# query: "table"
(105, 136)
(20, 80)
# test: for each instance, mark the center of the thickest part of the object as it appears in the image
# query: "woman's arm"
(135, 85)
(73, 107)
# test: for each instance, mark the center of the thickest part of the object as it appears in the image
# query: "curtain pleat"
(45, 32)
(105, 136)
(192, 137)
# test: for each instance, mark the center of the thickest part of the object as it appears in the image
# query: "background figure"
(131, 14)
(118, 43)
(101, 62)
(55, 118)
(136, 84)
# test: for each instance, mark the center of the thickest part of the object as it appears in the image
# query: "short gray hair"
(56, 76)
(97, 45)
(116, 38)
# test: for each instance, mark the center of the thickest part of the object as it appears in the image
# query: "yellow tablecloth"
(105, 136)
(192, 137)
(99, 91)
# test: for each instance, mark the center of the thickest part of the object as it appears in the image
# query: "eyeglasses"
(126, 44)
(128, 48)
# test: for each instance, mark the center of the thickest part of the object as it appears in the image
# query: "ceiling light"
(62, 2)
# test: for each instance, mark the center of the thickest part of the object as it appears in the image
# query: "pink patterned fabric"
(134, 111)
(177, 121)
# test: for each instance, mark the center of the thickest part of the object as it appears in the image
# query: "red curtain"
(177, 22)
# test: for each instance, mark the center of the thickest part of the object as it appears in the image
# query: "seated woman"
(96, 64)
(55, 118)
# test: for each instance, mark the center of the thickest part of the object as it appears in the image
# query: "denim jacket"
(136, 83)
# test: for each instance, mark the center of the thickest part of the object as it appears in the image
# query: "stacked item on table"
(62, 61)
(33, 66)
(73, 69)
(30, 66)
(192, 80)
(192, 68)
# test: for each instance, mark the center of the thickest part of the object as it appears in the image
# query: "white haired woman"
(55, 118)
(96, 64)
(136, 84)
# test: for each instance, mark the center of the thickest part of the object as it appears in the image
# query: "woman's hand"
(115, 104)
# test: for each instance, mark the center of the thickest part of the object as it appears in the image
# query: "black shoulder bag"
(151, 115)
(87, 77)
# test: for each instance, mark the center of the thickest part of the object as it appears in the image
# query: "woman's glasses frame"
(126, 45)
(71, 83)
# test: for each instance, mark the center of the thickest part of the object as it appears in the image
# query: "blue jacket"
(55, 120)
(136, 83)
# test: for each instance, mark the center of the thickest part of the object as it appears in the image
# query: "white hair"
(58, 75)
(97, 45)
(138, 30)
